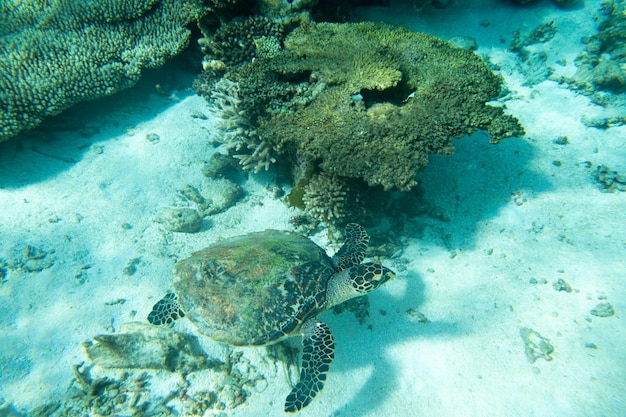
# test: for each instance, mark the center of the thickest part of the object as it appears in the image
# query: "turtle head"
(356, 281)
(367, 277)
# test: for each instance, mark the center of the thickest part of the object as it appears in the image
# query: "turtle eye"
(369, 276)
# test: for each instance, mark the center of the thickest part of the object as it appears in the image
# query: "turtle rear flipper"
(166, 310)
(353, 250)
(317, 354)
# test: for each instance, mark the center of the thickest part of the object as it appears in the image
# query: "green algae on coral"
(366, 101)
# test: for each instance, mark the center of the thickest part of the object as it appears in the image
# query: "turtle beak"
(386, 275)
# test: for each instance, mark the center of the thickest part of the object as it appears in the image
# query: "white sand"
(469, 277)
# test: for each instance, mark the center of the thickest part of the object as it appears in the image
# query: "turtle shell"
(254, 289)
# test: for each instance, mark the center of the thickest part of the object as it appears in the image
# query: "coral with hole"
(362, 101)
(55, 54)
(354, 110)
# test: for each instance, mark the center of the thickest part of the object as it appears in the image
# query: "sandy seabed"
(532, 244)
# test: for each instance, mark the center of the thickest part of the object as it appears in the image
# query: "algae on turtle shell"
(260, 288)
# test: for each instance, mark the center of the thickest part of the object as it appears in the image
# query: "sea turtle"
(260, 288)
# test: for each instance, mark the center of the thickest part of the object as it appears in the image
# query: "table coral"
(362, 101)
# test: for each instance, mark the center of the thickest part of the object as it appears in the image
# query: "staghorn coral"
(57, 53)
(364, 101)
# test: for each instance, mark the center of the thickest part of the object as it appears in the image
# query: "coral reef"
(240, 40)
(361, 101)
(58, 53)
(600, 73)
(326, 199)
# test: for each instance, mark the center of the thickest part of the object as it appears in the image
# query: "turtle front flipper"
(166, 310)
(353, 250)
(317, 354)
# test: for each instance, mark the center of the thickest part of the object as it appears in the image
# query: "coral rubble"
(142, 346)
(535, 345)
(610, 181)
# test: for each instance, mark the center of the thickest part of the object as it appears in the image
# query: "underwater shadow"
(60, 142)
(476, 184)
(470, 188)
(390, 324)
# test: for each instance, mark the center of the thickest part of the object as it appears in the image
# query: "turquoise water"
(510, 258)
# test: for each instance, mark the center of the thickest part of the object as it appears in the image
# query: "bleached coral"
(240, 137)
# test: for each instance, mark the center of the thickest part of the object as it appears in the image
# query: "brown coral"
(356, 110)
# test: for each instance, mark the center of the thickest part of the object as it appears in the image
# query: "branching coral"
(55, 54)
(240, 137)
